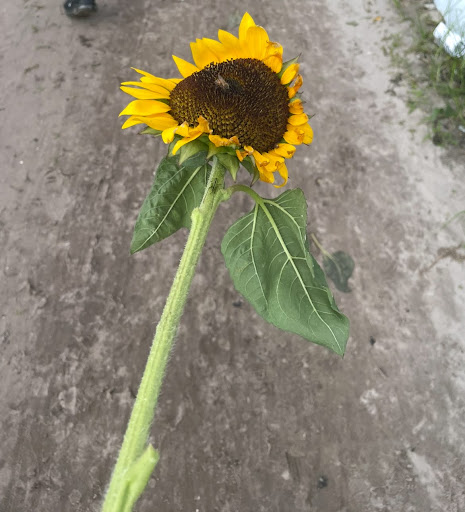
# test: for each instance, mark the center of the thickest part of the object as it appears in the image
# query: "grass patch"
(436, 80)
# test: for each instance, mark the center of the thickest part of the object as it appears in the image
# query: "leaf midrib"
(171, 207)
(283, 245)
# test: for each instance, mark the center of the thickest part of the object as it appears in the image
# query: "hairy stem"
(136, 461)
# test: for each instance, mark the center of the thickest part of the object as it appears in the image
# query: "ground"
(250, 418)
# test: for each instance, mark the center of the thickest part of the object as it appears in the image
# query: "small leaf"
(230, 162)
(250, 166)
(136, 479)
(150, 131)
(214, 150)
(189, 150)
(267, 255)
(176, 191)
(338, 267)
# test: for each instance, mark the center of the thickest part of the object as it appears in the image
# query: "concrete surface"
(250, 419)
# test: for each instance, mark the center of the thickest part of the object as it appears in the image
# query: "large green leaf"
(266, 252)
(176, 191)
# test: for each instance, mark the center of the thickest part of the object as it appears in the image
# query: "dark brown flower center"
(241, 97)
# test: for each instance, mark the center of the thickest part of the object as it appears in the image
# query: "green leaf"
(150, 131)
(266, 252)
(136, 479)
(230, 162)
(189, 150)
(138, 476)
(338, 267)
(176, 191)
(250, 166)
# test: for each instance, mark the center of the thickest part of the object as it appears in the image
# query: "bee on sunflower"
(238, 95)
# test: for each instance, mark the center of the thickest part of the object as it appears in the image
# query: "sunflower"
(239, 94)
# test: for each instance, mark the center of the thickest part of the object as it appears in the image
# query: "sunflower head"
(239, 97)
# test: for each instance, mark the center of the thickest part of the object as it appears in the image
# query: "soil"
(250, 418)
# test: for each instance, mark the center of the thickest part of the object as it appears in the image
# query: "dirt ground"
(250, 419)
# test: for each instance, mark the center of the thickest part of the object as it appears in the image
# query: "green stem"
(244, 188)
(128, 479)
(323, 251)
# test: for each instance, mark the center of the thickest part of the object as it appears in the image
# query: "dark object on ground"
(79, 8)
(322, 482)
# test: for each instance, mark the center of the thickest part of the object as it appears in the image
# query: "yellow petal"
(234, 48)
(241, 154)
(274, 56)
(201, 54)
(293, 137)
(229, 41)
(274, 161)
(308, 133)
(143, 94)
(265, 176)
(282, 169)
(218, 49)
(186, 131)
(163, 82)
(157, 122)
(257, 42)
(203, 125)
(261, 160)
(298, 84)
(285, 150)
(290, 73)
(186, 140)
(246, 23)
(274, 62)
(298, 119)
(185, 68)
(143, 73)
(296, 107)
(222, 141)
(145, 108)
(160, 122)
(151, 79)
(149, 87)
(131, 121)
(299, 134)
(273, 48)
(168, 134)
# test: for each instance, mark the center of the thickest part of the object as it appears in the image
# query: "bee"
(221, 83)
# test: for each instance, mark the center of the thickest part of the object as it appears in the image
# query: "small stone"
(322, 482)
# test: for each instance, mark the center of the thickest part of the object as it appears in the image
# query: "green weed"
(436, 80)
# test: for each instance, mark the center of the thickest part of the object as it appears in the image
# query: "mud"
(250, 418)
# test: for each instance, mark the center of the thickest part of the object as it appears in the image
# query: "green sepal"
(298, 96)
(150, 131)
(172, 144)
(250, 166)
(230, 162)
(191, 149)
(266, 253)
(286, 65)
(214, 150)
